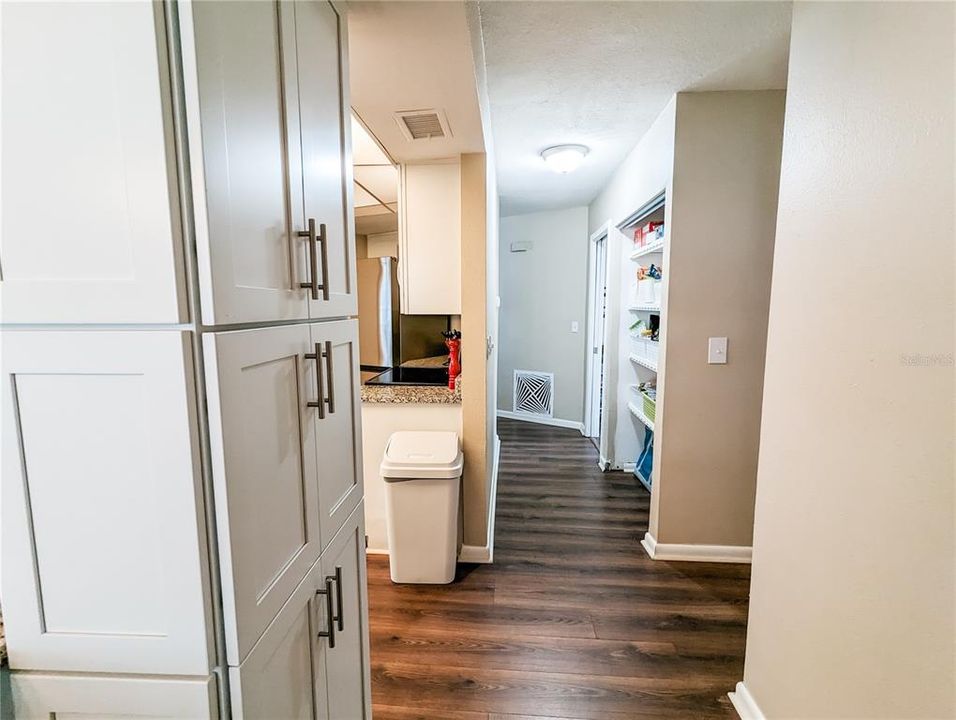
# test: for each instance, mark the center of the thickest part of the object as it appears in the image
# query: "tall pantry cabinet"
(182, 520)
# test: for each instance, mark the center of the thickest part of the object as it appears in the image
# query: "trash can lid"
(412, 454)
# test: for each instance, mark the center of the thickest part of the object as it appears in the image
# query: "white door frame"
(597, 334)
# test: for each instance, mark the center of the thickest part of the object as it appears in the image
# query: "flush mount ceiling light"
(564, 158)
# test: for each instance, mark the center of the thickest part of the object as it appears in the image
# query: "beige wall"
(852, 604)
(717, 279)
(544, 290)
(473, 331)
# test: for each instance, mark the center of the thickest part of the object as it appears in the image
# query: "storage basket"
(650, 406)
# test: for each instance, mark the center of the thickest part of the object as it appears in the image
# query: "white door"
(347, 664)
(321, 47)
(338, 420)
(102, 525)
(263, 444)
(596, 335)
(240, 67)
(90, 232)
(284, 675)
(37, 696)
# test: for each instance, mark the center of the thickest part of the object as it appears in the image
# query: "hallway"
(573, 620)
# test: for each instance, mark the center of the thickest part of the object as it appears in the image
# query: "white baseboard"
(486, 553)
(744, 704)
(376, 551)
(696, 553)
(555, 422)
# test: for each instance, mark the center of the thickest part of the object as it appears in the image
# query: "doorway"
(595, 403)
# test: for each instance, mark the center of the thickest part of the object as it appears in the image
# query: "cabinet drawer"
(41, 697)
(102, 528)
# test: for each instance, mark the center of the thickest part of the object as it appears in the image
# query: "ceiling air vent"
(422, 124)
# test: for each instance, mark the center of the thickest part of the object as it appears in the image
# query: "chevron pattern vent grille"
(534, 393)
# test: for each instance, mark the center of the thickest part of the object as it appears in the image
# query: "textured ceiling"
(599, 73)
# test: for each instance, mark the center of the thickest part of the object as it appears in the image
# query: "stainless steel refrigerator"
(378, 304)
(386, 338)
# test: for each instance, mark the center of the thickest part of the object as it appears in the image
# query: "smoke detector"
(422, 124)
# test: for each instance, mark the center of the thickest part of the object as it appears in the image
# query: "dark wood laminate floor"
(572, 620)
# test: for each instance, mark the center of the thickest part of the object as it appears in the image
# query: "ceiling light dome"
(564, 158)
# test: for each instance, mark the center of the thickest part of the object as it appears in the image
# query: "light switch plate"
(717, 351)
(574, 326)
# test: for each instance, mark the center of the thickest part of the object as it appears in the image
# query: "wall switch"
(574, 326)
(717, 351)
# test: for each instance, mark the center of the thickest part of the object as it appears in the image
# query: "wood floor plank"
(445, 688)
(572, 621)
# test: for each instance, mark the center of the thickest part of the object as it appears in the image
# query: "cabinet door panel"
(347, 664)
(279, 678)
(103, 536)
(263, 453)
(64, 697)
(430, 236)
(326, 155)
(88, 182)
(339, 434)
(246, 162)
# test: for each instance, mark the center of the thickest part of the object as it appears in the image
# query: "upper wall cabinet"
(90, 220)
(430, 238)
(266, 95)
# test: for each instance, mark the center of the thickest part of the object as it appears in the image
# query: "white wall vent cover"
(534, 393)
(422, 124)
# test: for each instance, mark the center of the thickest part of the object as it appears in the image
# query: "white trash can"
(422, 474)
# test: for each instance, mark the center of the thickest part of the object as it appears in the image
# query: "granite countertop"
(409, 394)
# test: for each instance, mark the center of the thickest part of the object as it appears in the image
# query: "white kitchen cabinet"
(39, 696)
(263, 448)
(286, 460)
(90, 214)
(312, 661)
(103, 530)
(338, 422)
(430, 238)
(271, 165)
(325, 122)
(344, 559)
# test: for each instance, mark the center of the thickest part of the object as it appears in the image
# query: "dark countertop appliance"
(411, 376)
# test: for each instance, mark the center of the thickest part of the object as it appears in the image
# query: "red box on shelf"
(643, 235)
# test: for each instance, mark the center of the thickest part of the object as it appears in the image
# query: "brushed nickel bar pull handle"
(340, 615)
(324, 244)
(328, 363)
(330, 633)
(309, 235)
(320, 403)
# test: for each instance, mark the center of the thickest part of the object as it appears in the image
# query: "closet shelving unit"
(645, 367)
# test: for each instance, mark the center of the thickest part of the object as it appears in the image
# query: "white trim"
(695, 553)
(376, 551)
(602, 233)
(556, 422)
(486, 553)
(744, 704)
